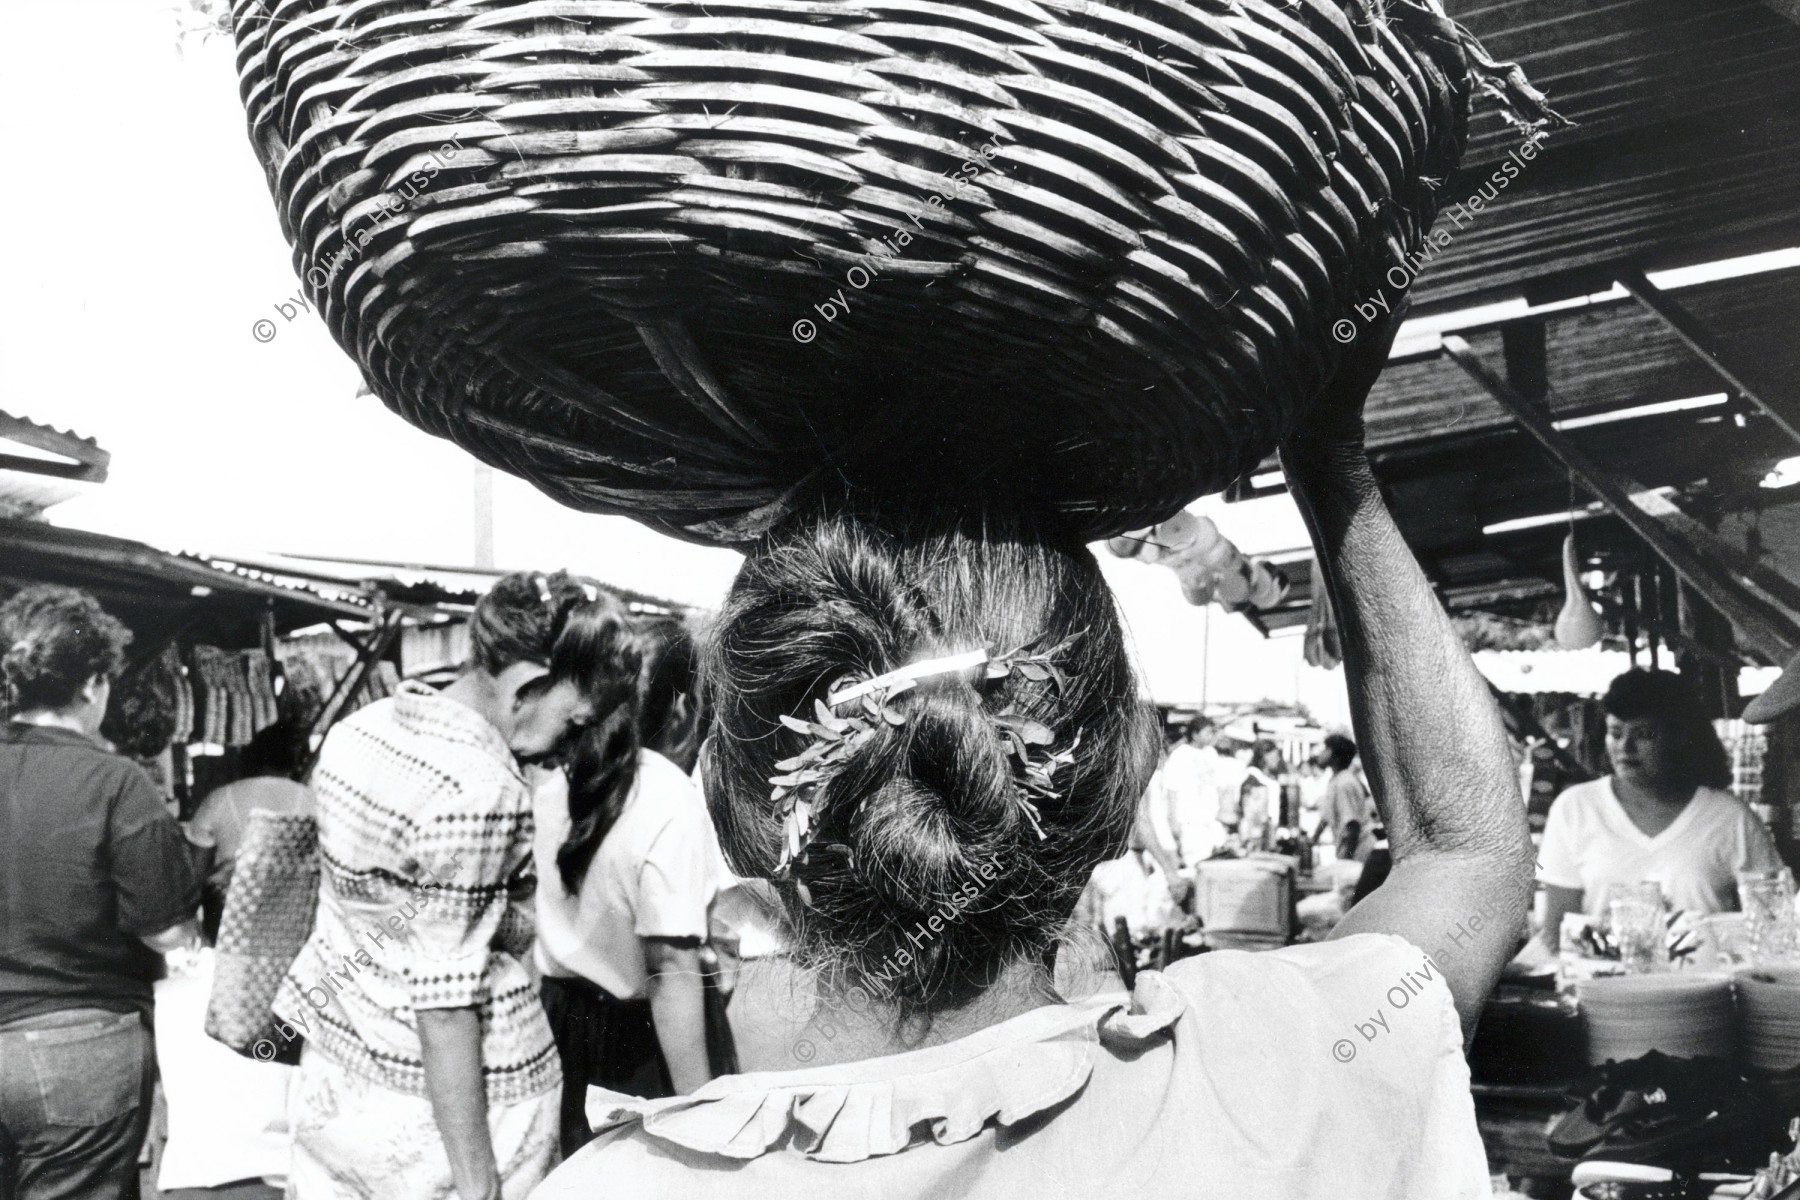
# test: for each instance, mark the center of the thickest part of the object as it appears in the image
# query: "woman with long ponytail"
(625, 875)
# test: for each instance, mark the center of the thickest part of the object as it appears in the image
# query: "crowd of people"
(866, 806)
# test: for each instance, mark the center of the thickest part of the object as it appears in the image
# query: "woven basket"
(697, 260)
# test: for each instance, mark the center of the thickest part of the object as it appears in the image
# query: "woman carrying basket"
(928, 733)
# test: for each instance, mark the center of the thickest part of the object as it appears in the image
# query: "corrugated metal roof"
(150, 588)
(76, 457)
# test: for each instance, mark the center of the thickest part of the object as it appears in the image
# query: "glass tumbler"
(1635, 917)
(1770, 924)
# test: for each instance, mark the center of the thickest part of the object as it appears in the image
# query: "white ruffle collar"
(852, 1111)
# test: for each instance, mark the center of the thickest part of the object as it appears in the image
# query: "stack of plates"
(1685, 1015)
(1769, 1011)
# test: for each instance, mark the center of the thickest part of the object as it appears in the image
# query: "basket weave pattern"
(576, 235)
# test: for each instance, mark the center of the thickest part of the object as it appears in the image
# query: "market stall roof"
(420, 584)
(157, 592)
(41, 466)
(1687, 130)
(1681, 165)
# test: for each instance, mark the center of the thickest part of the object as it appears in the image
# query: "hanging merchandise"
(312, 674)
(1578, 625)
(1208, 565)
(1323, 649)
(234, 694)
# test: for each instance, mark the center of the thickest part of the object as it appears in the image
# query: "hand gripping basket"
(697, 260)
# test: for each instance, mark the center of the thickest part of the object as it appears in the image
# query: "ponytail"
(600, 650)
(601, 774)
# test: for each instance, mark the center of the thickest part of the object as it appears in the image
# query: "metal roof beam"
(1779, 406)
(1698, 555)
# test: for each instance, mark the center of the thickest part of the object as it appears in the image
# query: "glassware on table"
(1771, 925)
(1635, 917)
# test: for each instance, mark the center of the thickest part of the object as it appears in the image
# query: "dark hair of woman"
(522, 617)
(278, 750)
(52, 641)
(1265, 755)
(930, 810)
(140, 717)
(671, 719)
(1667, 699)
(601, 650)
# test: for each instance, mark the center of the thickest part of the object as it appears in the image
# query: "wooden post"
(1686, 545)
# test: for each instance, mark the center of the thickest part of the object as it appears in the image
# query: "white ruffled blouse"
(1319, 1072)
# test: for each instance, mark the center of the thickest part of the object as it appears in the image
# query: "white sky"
(143, 248)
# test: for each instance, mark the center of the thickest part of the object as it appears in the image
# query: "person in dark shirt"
(95, 881)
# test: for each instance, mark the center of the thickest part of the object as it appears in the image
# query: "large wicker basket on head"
(696, 260)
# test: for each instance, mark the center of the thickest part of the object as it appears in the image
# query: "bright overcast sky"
(144, 247)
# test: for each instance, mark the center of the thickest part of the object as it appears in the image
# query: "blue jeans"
(75, 1090)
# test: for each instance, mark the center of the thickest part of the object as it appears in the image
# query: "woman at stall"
(96, 881)
(928, 732)
(1259, 799)
(625, 874)
(1663, 814)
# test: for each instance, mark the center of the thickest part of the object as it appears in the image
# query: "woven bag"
(699, 261)
(269, 914)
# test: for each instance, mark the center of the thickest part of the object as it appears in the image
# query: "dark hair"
(140, 717)
(929, 810)
(1341, 751)
(1263, 751)
(671, 718)
(277, 750)
(522, 617)
(52, 641)
(1667, 698)
(601, 651)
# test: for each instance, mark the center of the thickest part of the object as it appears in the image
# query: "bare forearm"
(450, 1042)
(1432, 743)
(678, 1010)
(1436, 756)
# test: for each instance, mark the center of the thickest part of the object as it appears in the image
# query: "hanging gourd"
(1578, 624)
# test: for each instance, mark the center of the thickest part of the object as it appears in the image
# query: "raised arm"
(1435, 752)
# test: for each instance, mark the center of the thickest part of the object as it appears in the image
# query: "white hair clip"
(911, 673)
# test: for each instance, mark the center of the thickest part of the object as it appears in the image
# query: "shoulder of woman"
(1374, 1000)
(1580, 796)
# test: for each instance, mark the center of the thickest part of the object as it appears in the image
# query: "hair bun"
(943, 800)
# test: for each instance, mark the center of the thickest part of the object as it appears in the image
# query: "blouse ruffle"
(854, 1111)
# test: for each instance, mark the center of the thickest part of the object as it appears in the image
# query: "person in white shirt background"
(626, 864)
(1662, 815)
(1192, 778)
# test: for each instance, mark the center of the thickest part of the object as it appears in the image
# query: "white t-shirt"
(653, 876)
(1590, 843)
(1191, 780)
